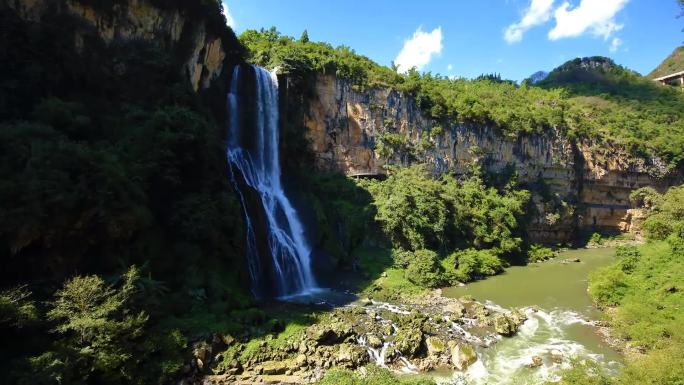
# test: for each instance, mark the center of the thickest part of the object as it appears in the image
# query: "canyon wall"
(577, 185)
(137, 20)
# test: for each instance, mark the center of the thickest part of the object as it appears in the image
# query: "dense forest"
(122, 238)
(120, 235)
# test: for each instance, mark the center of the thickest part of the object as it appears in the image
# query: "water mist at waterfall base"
(279, 256)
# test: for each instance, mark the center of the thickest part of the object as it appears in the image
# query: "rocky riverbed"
(423, 334)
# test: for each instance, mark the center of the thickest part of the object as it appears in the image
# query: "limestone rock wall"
(585, 184)
(138, 19)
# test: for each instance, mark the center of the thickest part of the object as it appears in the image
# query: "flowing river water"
(554, 296)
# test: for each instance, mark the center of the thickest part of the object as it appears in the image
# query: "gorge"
(182, 205)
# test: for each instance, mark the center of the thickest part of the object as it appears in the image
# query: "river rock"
(390, 355)
(556, 356)
(374, 341)
(352, 355)
(455, 308)
(536, 362)
(408, 341)
(479, 311)
(329, 334)
(518, 317)
(301, 360)
(504, 326)
(435, 346)
(273, 367)
(462, 355)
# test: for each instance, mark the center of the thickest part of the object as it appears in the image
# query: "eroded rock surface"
(425, 334)
(588, 181)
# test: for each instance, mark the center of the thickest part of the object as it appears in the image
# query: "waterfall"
(283, 263)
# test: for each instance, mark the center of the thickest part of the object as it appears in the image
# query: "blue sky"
(469, 37)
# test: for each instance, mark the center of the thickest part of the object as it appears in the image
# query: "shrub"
(676, 239)
(656, 227)
(470, 264)
(538, 253)
(608, 286)
(423, 269)
(596, 239)
(628, 257)
(646, 197)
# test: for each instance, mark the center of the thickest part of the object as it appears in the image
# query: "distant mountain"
(598, 75)
(537, 77)
(671, 64)
(587, 69)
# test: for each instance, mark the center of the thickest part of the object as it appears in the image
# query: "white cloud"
(615, 44)
(418, 50)
(450, 67)
(539, 12)
(594, 16)
(229, 17)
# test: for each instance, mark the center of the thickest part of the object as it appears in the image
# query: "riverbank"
(453, 334)
(419, 336)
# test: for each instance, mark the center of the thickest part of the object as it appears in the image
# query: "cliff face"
(138, 20)
(576, 184)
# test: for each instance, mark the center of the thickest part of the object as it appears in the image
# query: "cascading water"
(255, 168)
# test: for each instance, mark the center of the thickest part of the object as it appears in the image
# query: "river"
(554, 295)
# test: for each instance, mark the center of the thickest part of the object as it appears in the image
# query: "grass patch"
(382, 280)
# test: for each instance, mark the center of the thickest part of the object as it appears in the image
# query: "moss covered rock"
(462, 355)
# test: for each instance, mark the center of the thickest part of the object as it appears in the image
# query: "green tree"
(410, 208)
(305, 37)
(101, 329)
(16, 308)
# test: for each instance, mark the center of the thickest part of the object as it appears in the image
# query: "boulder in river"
(462, 355)
(479, 311)
(435, 346)
(504, 325)
(374, 341)
(456, 309)
(352, 355)
(390, 354)
(556, 356)
(408, 341)
(518, 317)
(536, 362)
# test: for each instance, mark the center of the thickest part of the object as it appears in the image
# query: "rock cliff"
(577, 184)
(138, 20)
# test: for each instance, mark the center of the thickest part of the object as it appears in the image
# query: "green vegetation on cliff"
(590, 97)
(671, 64)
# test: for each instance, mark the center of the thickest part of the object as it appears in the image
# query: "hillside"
(671, 64)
